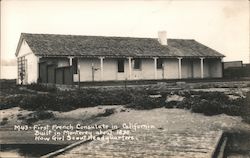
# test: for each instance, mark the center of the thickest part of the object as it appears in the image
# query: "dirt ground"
(166, 122)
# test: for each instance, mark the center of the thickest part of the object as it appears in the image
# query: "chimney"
(162, 37)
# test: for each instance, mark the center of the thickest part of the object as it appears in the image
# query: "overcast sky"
(220, 24)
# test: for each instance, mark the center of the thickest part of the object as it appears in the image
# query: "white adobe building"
(66, 59)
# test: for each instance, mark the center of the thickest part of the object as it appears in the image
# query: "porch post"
(70, 61)
(130, 67)
(179, 68)
(38, 69)
(101, 63)
(155, 66)
(78, 71)
(202, 67)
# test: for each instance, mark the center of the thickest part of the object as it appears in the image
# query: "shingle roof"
(75, 45)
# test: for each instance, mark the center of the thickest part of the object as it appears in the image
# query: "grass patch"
(144, 102)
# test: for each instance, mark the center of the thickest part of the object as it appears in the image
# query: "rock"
(180, 83)
(155, 96)
(174, 98)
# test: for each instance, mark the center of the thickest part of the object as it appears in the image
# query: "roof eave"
(19, 44)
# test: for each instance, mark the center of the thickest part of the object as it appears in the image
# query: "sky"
(222, 25)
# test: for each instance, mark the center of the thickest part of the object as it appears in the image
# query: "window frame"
(75, 65)
(137, 64)
(120, 65)
(159, 63)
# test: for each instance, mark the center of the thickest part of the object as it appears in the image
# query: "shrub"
(42, 88)
(245, 109)
(42, 115)
(31, 120)
(144, 102)
(10, 101)
(120, 97)
(218, 96)
(171, 104)
(65, 100)
(4, 121)
(213, 103)
(107, 112)
(39, 102)
(38, 115)
(207, 107)
(248, 85)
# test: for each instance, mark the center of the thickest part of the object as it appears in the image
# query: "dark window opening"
(75, 65)
(159, 64)
(120, 65)
(137, 63)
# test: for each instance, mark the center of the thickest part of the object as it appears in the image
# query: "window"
(120, 65)
(159, 64)
(22, 63)
(137, 63)
(75, 65)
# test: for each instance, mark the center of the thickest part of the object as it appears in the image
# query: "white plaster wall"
(110, 69)
(24, 49)
(160, 74)
(186, 68)
(123, 75)
(31, 74)
(206, 69)
(126, 70)
(171, 68)
(86, 69)
(148, 69)
(32, 68)
(197, 68)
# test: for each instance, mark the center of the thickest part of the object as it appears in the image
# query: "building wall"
(170, 68)
(31, 73)
(123, 75)
(160, 73)
(110, 69)
(24, 49)
(186, 68)
(146, 71)
(196, 68)
(191, 68)
(206, 68)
